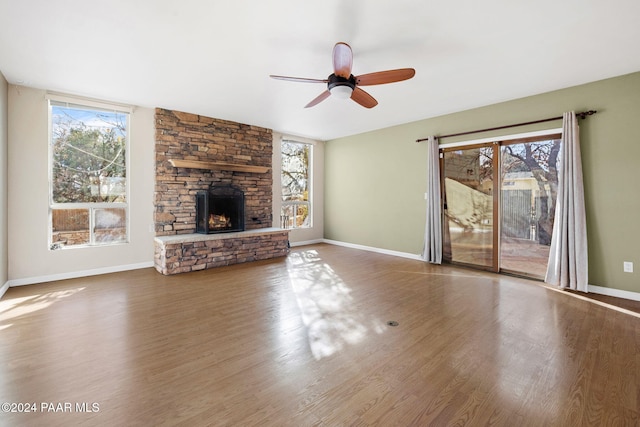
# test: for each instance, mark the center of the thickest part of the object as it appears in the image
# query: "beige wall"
(29, 257)
(4, 266)
(316, 232)
(375, 182)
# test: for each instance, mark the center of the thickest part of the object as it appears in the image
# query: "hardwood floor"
(304, 341)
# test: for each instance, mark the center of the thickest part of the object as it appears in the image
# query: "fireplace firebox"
(220, 210)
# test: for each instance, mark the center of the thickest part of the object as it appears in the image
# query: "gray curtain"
(568, 253)
(432, 251)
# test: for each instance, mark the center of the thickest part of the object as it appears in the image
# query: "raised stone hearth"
(191, 252)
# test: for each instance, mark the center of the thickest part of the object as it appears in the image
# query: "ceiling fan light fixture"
(341, 91)
(341, 87)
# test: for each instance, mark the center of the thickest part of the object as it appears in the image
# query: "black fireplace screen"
(220, 210)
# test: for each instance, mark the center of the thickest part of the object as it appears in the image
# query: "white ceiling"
(213, 57)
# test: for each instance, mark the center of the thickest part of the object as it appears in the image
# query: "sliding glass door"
(499, 204)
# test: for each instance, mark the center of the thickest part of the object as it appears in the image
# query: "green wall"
(375, 182)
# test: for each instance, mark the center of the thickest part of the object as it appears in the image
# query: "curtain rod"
(582, 115)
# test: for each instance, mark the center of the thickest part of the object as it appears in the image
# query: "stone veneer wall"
(187, 136)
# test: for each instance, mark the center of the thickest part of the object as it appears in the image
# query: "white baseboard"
(618, 293)
(372, 249)
(76, 274)
(4, 289)
(306, 242)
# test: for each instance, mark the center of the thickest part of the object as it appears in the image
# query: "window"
(87, 175)
(296, 184)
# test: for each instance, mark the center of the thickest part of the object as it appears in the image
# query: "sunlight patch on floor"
(325, 304)
(14, 307)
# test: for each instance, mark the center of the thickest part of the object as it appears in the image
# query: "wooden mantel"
(195, 164)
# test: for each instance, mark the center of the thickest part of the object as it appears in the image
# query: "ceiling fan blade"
(342, 60)
(299, 79)
(382, 77)
(363, 98)
(317, 100)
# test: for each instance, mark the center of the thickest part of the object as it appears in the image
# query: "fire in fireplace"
(220, 210)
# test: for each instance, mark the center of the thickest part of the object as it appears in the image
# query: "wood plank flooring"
(305, 341)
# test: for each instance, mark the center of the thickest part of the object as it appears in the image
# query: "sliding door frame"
(496, 143)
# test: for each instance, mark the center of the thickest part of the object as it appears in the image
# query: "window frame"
(295, 203)
(91, 207)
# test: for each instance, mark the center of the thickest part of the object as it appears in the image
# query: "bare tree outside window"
(541, 160)
(296, 158)
(88, 150)
(88, 175)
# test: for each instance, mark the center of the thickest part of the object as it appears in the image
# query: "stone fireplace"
(194, 155)
(195, 152)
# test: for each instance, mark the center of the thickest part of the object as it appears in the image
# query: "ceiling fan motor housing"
(341, 81)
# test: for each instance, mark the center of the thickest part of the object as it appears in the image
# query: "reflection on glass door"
(499, 204)
(469, 206)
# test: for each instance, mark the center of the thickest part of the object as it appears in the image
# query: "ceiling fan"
(342, 84)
